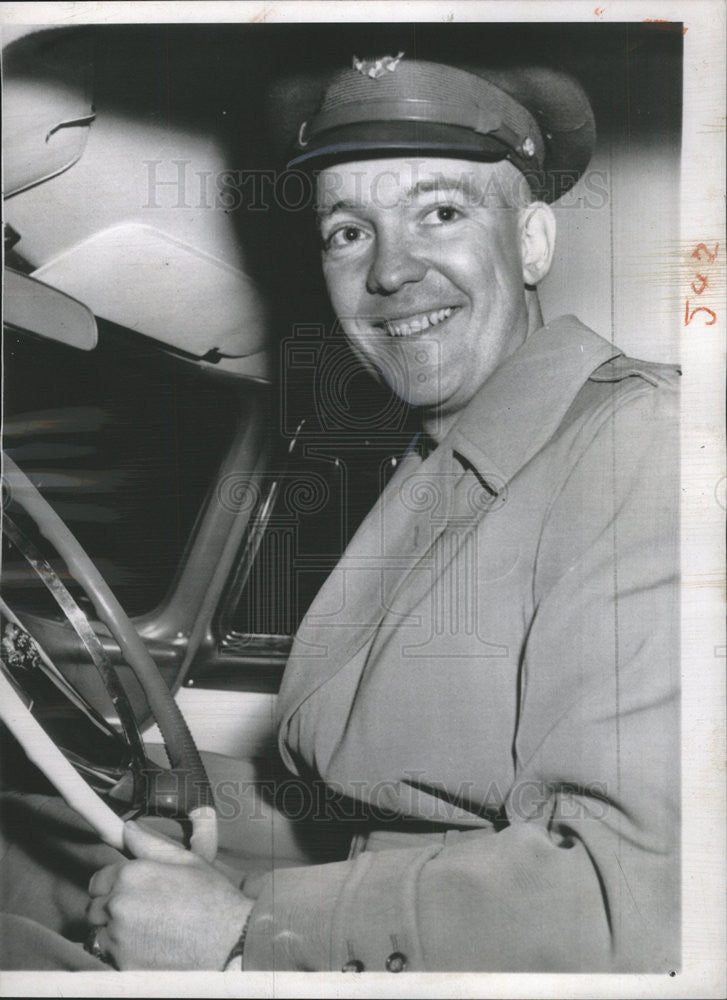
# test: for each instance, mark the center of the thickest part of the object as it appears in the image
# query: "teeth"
(418, 324)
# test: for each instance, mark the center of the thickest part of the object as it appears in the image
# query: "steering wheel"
(187, 777)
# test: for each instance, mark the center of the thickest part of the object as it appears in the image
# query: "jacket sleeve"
(585, 875)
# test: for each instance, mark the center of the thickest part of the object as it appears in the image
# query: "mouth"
(408, 326)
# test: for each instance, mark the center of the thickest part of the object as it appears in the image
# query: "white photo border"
(704, 649)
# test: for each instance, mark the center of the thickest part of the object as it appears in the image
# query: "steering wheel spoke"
(124, 775)
(33, 660)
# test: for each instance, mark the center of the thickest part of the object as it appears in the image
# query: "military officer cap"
(538, 118)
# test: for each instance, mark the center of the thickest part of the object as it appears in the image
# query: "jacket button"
(396, 962)
(353, 965)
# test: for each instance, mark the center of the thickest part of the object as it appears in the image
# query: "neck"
(535, 313)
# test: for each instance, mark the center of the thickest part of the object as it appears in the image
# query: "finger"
(233, 875)
(152, 847)
(103, 881)
(96, 912)
(106, 947)
(253, 884)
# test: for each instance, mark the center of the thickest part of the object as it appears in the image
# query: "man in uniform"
(492, 669)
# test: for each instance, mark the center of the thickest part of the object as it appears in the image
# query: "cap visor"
(369, 140)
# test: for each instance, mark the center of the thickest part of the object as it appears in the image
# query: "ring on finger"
(92, 946)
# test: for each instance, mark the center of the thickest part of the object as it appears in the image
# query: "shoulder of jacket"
(631, 380)
(623, 367)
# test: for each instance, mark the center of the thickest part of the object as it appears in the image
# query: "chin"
(420, 397)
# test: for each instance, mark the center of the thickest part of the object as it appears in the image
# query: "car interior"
(188, 441)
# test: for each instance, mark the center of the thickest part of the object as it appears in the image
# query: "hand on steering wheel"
(190, 779)
(168, 909)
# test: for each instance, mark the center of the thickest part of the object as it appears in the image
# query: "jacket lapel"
(396, 535)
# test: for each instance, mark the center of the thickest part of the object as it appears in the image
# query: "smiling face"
(424, 263)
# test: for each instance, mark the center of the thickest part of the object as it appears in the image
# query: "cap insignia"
(376, 68)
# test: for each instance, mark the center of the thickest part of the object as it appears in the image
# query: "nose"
(395, 264)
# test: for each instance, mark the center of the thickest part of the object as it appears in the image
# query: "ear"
(537, 227)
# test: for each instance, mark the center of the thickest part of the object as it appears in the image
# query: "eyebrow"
(465, 184)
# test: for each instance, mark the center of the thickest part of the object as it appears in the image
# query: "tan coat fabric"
(496, 657)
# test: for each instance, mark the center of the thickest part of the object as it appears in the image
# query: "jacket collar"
(520, 406)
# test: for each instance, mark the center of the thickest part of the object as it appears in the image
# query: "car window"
(335, 451)
(124, 441)
(315, 510)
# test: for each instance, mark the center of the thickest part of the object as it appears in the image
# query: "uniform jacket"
(493, 668)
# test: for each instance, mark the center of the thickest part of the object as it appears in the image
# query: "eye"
(441, 215)
(344, 236)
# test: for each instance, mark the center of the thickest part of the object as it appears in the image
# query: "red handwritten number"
(700, 249)
(688, 318)
(711, 257)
